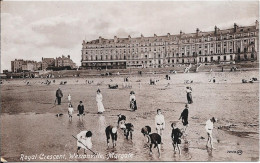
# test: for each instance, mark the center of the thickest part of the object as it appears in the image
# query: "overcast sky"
(32, 30)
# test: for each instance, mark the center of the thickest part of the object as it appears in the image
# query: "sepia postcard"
(139, 81)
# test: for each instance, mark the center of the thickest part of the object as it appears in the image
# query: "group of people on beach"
(84, 137)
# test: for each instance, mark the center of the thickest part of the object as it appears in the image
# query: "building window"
(225, 58)
(230, 50)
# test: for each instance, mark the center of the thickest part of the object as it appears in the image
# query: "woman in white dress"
(99, 99)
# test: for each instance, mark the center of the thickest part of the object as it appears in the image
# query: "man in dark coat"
(59, 95)
(184, 116)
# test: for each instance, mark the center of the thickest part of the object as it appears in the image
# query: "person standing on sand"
(159, 122)
(176, 137)
(184, 117)
(209, 129)
(69, 98)
(133, 105)
(70, 111)
(189, 97)
(99, 99)
(80, 110)
(59, 95)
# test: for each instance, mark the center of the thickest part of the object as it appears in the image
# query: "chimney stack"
(197, 31)
(115, 39)
(235, 27)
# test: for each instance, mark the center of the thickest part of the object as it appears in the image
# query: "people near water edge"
(59, 95)
(81, 110)
(99, 99)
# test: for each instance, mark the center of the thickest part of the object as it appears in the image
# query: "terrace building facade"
(240, 43)
(20, 65)
(64, 62)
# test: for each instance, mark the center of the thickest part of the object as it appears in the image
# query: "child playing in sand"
(70, 111)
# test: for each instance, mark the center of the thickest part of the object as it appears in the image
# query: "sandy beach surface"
(30, 129)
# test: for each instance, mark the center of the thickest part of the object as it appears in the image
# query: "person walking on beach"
(69, 98)
(184, 117)
(209, 129)
(176, 137)
(80, 110)
(84, 141)
(159, 122)
(70, 111)
(59, 95)
(189, 97)
(133, 105)
(99, 99)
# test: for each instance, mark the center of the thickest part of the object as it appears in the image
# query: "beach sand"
(29, 125)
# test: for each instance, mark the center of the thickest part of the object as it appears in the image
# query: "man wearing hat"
(184, 116)
(59, 95)
(209, 129)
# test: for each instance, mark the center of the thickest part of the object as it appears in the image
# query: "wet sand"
(29, 125)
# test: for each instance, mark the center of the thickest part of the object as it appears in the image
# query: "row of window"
(166, 42)
(194, 54)
(180, 60)
(230, 43)
(188, 53)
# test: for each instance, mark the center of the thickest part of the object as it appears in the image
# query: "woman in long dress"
(99, 99)
(189, 96)
(133, 105)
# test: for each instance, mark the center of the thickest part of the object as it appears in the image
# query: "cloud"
(31, 30)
